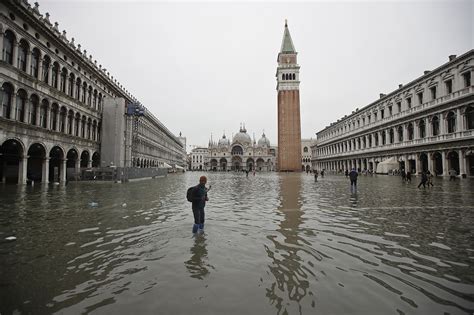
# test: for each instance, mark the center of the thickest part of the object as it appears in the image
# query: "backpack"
(190, 193)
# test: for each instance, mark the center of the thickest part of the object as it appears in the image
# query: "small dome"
(224, 141)
(264, 141)
(242, 137)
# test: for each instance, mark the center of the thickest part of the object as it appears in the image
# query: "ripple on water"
(281, 243)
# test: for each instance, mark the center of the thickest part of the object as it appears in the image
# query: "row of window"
(288, 76)
(42, 68)
(398, 108)
(43, 114)
(399, 134)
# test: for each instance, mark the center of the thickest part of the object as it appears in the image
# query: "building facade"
(289, 123)
(241, 154)
(306, 154)
(53, 96)
(427, 124)
(198, 157)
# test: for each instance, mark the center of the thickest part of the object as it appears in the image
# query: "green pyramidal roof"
(287, 43)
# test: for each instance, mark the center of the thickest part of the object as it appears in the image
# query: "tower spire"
(287, 43)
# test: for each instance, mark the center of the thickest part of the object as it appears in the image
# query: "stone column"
(66, 123)
(1, 48)
(462, 163)
(22, 170)
(40, 69)
(28, 62)
(418, 164)
(45, 172)
(428, 131)
(13, 106)
(58, 117)
(50, 74)
(37, 110)
(73, 125)
(445, 163)
(416, 130)
(77, 167)
(430, 163)
(442, 124)
(66, 85)
(62, 171)
(15, 54)
(48, 117)
(459, 120)
(395, 135)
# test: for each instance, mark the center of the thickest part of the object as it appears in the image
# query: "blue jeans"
(198, 216)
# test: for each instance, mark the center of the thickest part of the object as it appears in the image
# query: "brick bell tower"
(289, 122)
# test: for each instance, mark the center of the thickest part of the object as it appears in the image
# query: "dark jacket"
(353, 175)
(199, 197)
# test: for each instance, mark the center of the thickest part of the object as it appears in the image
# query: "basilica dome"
(224, 141)
(264, 141)
(242, 137)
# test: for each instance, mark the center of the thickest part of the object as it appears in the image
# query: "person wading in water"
(198, 199)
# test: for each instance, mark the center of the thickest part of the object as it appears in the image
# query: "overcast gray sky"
(203, 68)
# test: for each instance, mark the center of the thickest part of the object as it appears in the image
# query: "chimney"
(452, 57)
(400, 86)
(381, 95)
(426, 71)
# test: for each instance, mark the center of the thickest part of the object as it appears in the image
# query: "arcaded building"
(53, 96)
(427, 124)
(242, 153)
(289, 120)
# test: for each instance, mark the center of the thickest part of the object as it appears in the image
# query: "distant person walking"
(198, 196)
(408, 177)
(316, 176)
(424, 180)
(452, 174)
(322, 174)
(346, 173)
(430, 178)
(353, 177)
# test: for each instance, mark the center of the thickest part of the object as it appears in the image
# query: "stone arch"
(250, 164)
(437, 163)
(23, 50)
(7, 100)
(213, 164)
(36, 161)
(34, 108)
(56, 157)
(35, 62)
(20, 108)
(469, 116)
(55, 75)
(12, 151)
(44, 109)
(85, 158)
(9, 40)
(95, 159)
(453, 161)
(46, 64)
(451, 121)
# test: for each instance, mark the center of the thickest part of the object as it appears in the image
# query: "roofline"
(409, 84)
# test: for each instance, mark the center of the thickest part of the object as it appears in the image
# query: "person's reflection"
(197, 264)
(287, 265)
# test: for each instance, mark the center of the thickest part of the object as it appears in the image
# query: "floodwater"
(273, 244)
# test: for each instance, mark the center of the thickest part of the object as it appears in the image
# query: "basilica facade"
(240, 154)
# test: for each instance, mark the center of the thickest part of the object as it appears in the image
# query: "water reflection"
(287, 265)
(198, 265)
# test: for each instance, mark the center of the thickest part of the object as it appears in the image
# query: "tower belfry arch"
(289, 118)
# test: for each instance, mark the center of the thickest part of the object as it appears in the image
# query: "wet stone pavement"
(273, 244)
